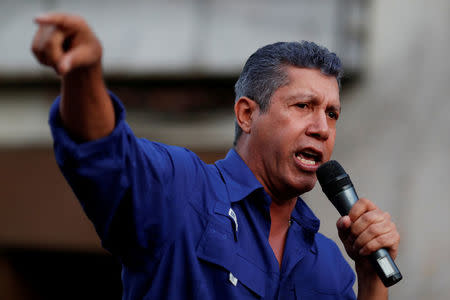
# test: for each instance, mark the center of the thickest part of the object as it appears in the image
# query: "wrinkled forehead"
(306, 83)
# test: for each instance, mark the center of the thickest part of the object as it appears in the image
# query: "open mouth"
(309, 157)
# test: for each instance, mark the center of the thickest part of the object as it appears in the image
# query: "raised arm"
(68, 45)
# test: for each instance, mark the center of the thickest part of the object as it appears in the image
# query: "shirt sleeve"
(129, 187)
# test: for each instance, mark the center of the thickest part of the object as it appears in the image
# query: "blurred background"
(174, 64)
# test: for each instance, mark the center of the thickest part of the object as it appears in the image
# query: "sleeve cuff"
(67, 147)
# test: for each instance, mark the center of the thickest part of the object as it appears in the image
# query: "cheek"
(330, 146)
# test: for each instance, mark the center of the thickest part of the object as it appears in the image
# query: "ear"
(244, 109)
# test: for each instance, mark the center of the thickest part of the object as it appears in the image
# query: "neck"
(278, 191)
(280, 214)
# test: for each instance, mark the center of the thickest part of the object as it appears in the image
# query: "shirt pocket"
(230, 273)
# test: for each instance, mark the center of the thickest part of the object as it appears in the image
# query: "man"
(233, 230)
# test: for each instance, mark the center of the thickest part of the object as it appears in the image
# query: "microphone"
(338, 187)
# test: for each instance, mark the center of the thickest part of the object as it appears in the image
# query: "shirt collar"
(304, 216)
(239, 178)
(241, 182)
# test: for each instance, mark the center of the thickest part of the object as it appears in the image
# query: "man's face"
(297, 132)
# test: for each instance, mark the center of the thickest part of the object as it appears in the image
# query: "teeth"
(306, 161)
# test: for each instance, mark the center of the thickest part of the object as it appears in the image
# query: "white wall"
(394, 139)
(175, 37)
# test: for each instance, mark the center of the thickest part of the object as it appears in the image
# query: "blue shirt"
(184, 229)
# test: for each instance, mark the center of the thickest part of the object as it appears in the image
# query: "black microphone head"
(328, 171)
(332, 178)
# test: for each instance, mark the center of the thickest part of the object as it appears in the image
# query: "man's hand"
(65, 43)
(365, 230)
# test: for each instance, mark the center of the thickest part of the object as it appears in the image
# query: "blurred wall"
(187, 37)
(394, 138)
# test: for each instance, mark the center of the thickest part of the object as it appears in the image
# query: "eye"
(333, 115)
(302, 105)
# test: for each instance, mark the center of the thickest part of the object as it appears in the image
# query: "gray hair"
(264, 72)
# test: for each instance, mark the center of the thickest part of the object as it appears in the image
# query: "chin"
(305, 185)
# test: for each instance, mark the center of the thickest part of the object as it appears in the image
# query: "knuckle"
(372, 230)
(370, 218)
(35, 48)
(371, 247)
(365, 218)
(354, 230)
(397, 237)
(382, 240)
(79, 20)
(65, 18)
(360, 204)
(393, 227)
(45, 44)
(353, 215)
(364, 200)
(369, 204)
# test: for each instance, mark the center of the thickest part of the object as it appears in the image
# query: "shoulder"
(185, 172)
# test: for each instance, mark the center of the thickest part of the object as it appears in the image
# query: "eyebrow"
(313, 98)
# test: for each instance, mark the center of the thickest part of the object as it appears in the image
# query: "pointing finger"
(47, 45)
(64, 21)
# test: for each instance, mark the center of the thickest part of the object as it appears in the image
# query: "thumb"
(76, 58)
(343, 223)
(64, 65)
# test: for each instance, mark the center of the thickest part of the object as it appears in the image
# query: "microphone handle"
(381, 260)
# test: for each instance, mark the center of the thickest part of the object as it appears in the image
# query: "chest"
(236, 255)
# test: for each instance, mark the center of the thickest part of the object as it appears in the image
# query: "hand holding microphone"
(364, 229)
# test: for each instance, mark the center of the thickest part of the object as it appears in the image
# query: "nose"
(319, 127)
